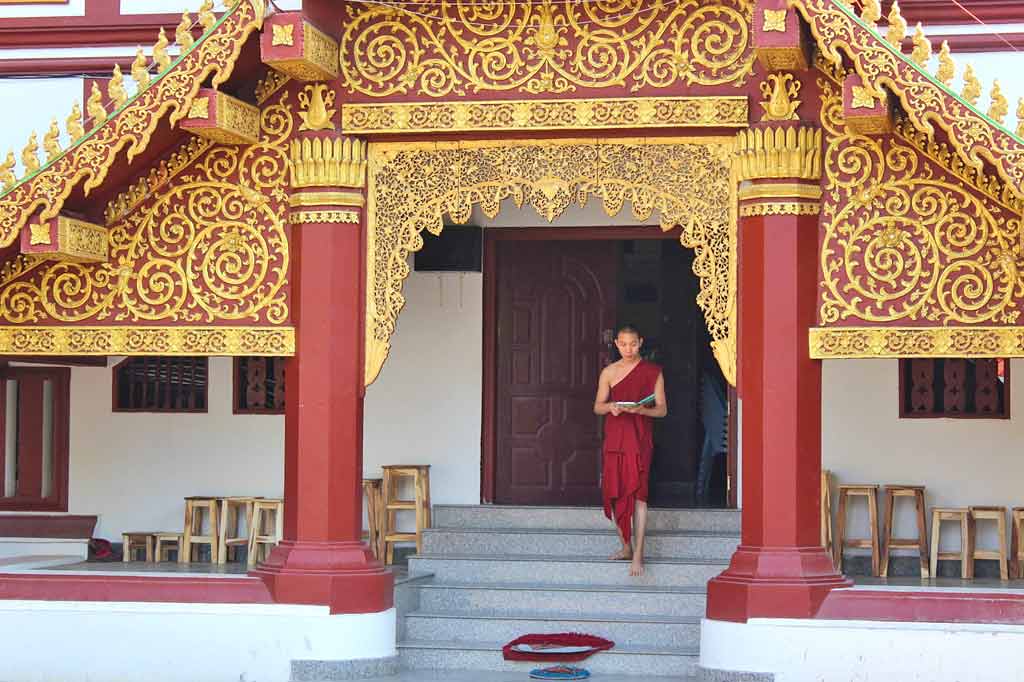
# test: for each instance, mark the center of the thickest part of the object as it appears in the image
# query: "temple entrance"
(553, 298)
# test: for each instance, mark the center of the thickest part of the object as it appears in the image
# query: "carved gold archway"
(689, 181)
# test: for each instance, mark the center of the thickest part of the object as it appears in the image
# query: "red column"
(322, 559)
(780, 570)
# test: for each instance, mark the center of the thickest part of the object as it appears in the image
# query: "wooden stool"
(1016, 544)
(920, 543)
(393, 475)
(940, 514)
(137, 541)
(231, 509)
(373, 491)
(871, 493)
(997, 514)
(826, 511)
(267, 528)
(195, 509)
(165, 542)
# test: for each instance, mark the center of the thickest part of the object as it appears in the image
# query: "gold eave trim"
(828, 343)
(779, 190)
(277, 341)
(726, 111)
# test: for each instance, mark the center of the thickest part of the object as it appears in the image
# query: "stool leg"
(253, 532)
(936, 531)
(873, 515)
(1001, 526)
(421, 514)
(890, 502)
(1015, 564)
(185, 554)
(149, 549)
(922, 532)
(126, 548)
(214, 533)
(222, 540)
(967, 544)
(840, 541)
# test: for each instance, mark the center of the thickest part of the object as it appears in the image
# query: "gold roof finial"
(999, 107)
(76, 131)
(7, 178)
(897, 27)
(94, 106)
(870, 11)
(28, 155)
(1020, 117)
(972, 86)
(922, 51)
(51, 141)
(140, 69)
(206, 16)
(183, 34)
(115, 88)
(160, 56)
(947, 67)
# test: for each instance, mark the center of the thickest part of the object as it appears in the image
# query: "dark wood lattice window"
(161, 384)
(259, 385)
(955, 387)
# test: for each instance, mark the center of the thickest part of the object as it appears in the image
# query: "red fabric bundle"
(560, 639)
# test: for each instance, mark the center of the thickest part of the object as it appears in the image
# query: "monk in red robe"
(629, 441)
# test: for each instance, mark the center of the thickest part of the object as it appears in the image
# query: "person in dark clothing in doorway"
(714, 412)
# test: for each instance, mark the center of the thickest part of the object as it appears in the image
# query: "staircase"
(489, 574)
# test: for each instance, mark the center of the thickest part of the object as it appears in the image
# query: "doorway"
(552, 300)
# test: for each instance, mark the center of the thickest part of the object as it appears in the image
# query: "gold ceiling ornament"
(183, 33)
(121, 137)
(76, 130)
(998, 106)
(972, 86)
(460, 47)
(7, 177)
(870, 12)
(915, 342)
(789, 152)
(94, 106)
(206, 16)
(775, 20)
(533, 114)
(29, 158)
(116, 93)
(140, 70)
(897, 27)
(906, 241)
(327, 162)
(138, 340)
(922, 51)
(283, 34)
(51, 141)
(160, 56)
(414, 186)
(947, 67)
(317, 106)
(780, 91)
(210, 248)
(863, 97)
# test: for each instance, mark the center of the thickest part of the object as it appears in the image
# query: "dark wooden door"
(555, 302)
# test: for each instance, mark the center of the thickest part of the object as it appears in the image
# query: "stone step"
(550, 570)
(637, 631)
(542, 600)
(502, 676)
(587, 518)
(575, 543)
(641, 662)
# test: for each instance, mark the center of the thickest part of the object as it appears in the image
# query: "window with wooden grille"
(259, 385)
(955, 387)
(161, 384)
(34, 415)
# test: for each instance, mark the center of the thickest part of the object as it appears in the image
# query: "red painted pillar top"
(322, 559)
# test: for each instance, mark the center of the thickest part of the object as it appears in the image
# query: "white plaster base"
(864, 651)
(21, 547)
(127, 642)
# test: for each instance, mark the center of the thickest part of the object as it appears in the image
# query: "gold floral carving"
(127, 132)
(785, 152)
(329, 216)
(909, 233)
(283, 34)
(631, 112)
(780, 91)
(200, 109)
(909, 342)
(688, 182)
(926, 102)
(319, 58)
(328, 162)
(863, 98)
(317, 107)
(774, 20)
(455, 47)
(147, 341)
(779, 208)
(235, 121)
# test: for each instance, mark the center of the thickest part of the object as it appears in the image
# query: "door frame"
(491, 238)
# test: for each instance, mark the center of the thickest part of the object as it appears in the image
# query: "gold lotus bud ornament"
(115, 88)
(76, 131)
(972, 86)
(183, 34)
(206, 16)
(7, 178)
(28, 155)
(871, 11)
(140, 69)
(51, 141)
(94, 106)
(160, 56)
(897, 27)
(922, 51)
(998, 107)
(947, 67)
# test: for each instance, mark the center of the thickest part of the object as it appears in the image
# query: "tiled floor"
(939, 584)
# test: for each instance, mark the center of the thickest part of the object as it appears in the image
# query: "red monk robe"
(628, 446)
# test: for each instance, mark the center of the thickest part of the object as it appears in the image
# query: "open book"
(643, 402)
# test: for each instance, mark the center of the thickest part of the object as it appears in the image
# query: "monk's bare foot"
(636, 567)
(622, 555)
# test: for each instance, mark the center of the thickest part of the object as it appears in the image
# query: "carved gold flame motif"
(51, 141)
(317, 112)
(183, 34)
(94, 106)
(7, 178)
(781, 91)
(28, 155)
